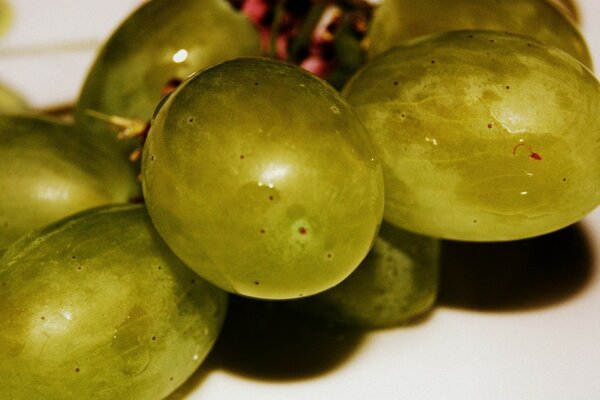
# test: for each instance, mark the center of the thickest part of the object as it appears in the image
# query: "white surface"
(550, 352)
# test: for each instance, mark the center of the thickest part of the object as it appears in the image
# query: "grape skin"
(397, 282)
(483, 136)
(259, 176)
(49, 171)
(10, 102)
(399, 20)
(96, 306)
(161, 41)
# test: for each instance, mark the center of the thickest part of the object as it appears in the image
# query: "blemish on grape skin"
(257, 283)
(490, 126)
(302, 230)
(263, 231)
(535, 156)
(191, 120)
(395, 83)
(334, 109)
(241, 156)
(77, 369)
(564, 179)
(171, 378)
(153, 338)
(433, 61)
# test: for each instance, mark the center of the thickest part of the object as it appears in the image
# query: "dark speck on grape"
(256, 282)
(76, 369)
(489, 126)
(302, 230)
(191, 120)
(395, 83)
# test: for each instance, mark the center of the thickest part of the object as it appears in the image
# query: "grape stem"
(128, 128)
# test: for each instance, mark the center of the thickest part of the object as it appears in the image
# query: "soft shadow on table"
(518, 275)
(264, 341)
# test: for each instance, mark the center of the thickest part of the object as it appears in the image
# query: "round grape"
(483, 135)
(97, 307)
(260, 177)
(398, 20)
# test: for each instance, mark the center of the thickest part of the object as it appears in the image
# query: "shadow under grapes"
(518, 275)
(263, 340)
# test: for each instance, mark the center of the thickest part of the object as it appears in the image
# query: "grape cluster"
(257, 179)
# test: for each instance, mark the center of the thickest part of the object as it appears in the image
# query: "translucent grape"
(482, 135)
(10, 101)
(161, 41)
(399, 20)
(97, 307)
(260, 177)
(49, 171)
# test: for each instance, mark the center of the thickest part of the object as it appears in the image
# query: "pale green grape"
(11, 102)
(97, 307)
(399, 20)
(260, 177)
(49, 171)
(5, 16)
(482, 135)
(161, 41)
(396, 283)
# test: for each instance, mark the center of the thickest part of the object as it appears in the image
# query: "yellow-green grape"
(161, 41)
(50, 171)
(260, 177)
(398, 20)
(97, 307)
(10, 102)
(5, 17)
(397, 282)
(483, 135)
(569, 7)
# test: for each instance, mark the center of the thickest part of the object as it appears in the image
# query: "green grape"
(163, 40)
(48, 172)
(260, 177)
(97, 307)
(483, 135)
(569, 7)
(5, 17)
(399, 20)
(396, 283)
(10, 102)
